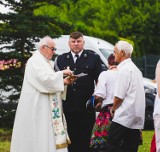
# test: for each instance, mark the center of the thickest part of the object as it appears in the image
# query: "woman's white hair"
(43, 41)
(125, 46)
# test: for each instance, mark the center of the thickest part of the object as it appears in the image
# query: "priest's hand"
(67, 72)
(70, 79)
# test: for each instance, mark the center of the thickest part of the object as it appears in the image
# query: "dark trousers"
(122, 139)
(79, 126)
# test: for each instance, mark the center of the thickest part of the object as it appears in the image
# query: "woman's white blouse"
(105, 86)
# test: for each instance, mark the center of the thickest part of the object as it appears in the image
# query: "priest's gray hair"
(43, 41)
(125, 46)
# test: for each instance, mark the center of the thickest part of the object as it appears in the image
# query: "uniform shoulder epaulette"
(92, 52)
(64, 55)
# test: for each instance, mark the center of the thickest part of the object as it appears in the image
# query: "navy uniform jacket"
(82, 89)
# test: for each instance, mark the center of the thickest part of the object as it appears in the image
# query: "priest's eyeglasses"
(53, 49)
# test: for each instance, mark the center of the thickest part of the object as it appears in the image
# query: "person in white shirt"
(128, 109)
(39, 122)
(156, 113)
(104, 91)
(103, 98)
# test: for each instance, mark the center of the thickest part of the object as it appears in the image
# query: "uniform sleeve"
(43, 78)
(100, 89)
(56, 68)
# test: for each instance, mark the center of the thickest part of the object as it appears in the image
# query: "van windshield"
(106, 52)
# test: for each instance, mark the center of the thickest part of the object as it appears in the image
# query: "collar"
(73, 54)
(123, 63)
(43, 56)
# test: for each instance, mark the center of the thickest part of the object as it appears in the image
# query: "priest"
(39, 122)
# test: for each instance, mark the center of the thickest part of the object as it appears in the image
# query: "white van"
(99, 46)
(104, 49)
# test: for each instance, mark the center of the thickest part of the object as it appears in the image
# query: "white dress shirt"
(74, 55)
(105, 86)
(129, 87)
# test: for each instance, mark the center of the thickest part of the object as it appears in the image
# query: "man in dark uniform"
(79, 120)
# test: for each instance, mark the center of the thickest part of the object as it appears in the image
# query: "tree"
(84, 16)
(138, 21)
(19, 31)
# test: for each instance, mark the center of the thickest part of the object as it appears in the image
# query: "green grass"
(5, 137)
(147, 137)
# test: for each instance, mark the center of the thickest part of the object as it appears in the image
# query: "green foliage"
(135, 20)
(84, 16)
(10, 84)
(138, 20)
(110, 36)
(7, 114)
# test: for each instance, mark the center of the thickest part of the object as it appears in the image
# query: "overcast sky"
(3, 9)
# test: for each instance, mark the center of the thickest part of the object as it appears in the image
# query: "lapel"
(70, 62)
(69, 59)
(83, 57)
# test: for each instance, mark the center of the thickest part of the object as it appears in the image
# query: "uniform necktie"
(77, 56)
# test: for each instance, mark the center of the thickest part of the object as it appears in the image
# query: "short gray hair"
(125, 46)
(43, 41)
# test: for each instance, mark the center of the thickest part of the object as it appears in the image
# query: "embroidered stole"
(58, 120)
(59, 123)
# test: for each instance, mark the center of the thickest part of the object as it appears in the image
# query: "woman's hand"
(98, 106)
(112, 112)
(98, 103)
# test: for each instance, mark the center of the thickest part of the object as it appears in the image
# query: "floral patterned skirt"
(100, 129)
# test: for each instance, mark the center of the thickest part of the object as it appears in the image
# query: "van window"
(106, 52)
